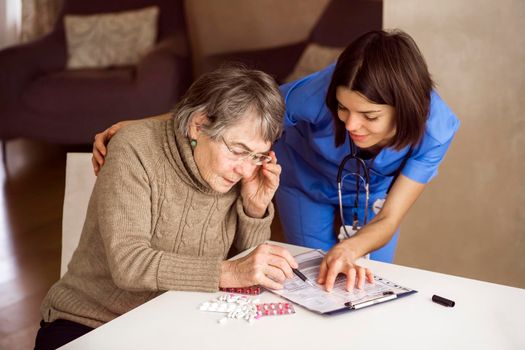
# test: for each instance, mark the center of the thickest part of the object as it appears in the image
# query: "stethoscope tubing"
(359, 178)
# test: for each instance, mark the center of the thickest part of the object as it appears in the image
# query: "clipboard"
(315, 298)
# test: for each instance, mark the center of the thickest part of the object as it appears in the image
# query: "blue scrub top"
(310, 159)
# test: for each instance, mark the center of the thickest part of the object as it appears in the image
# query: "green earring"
(193, 143)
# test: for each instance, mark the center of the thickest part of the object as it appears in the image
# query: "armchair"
(40, 99)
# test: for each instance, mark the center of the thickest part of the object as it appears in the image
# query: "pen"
(303, 277)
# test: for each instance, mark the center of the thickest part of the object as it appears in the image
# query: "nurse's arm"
(382, 227)
(341, 258)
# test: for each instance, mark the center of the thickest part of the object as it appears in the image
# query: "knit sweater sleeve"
(252, 231)
(124, 213)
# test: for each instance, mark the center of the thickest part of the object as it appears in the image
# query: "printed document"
(316, 299)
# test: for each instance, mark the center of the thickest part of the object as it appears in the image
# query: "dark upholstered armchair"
(40, 99)
(341, 22)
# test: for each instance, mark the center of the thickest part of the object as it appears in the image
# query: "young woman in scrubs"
(378, 96)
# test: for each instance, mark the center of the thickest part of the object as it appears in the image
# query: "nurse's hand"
(100, 143)
(267, 265)
(102, 139)
(341, 259)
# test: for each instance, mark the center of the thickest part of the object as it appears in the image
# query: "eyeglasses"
(240, 154)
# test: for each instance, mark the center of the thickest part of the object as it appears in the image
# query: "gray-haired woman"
(172, 198)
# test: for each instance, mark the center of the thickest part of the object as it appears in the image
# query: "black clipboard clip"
(385, 296)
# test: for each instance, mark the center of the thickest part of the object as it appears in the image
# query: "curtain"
(10, 22)
(38, 17)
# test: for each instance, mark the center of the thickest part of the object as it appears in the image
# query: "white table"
(486, 316)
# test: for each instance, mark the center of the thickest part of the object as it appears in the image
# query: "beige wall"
(470, 220)
(231, 25)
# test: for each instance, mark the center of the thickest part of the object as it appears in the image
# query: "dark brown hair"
(386, 68)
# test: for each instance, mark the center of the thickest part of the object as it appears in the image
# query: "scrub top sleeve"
(305, 98)
(441, 127)
(423, 165)
(289, 119)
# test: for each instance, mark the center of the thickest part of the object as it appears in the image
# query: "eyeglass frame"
(252, 156)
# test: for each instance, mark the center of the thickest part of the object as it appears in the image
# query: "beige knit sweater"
(153, 224)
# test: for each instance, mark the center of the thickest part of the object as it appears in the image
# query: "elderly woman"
(173, 197)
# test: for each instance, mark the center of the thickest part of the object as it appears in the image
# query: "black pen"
(303, 277)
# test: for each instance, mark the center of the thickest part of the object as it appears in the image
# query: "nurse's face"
(368, 124)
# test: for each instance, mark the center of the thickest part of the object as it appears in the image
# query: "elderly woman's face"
(217, 165)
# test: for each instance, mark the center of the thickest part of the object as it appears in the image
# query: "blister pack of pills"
(252, 290)
(274, 309)
(242, 307)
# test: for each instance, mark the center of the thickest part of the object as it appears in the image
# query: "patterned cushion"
(314, 58)
(111, 39)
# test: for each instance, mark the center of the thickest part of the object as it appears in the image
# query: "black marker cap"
(443, 301)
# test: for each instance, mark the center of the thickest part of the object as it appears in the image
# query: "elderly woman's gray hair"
(226, 95)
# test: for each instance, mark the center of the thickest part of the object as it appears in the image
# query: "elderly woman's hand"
(267, 265)
(341, 259)
(257, 191)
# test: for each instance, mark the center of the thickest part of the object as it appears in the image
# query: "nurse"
(379, 100)
(378, 103)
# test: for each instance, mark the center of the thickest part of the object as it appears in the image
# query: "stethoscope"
(365, 180)
(360, 178)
